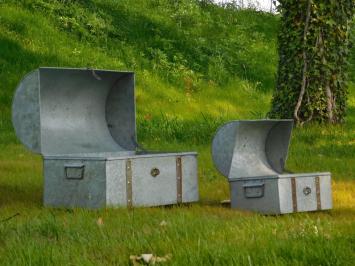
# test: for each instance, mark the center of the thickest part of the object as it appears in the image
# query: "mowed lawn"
(205, 233)
(170, 116)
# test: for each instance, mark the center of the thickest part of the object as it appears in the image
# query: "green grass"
(196, 66)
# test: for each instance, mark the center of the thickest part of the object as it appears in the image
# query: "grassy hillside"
(185, 55)
(197, 65)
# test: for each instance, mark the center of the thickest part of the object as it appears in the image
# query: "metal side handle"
(254, 189)
(74, 171)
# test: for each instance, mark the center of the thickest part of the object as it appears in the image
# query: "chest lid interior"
(70, 111)
(252, 148)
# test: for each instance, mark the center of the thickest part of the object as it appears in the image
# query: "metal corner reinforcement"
(179, 179)
(294, 194)
(319, 206)
(129, 183)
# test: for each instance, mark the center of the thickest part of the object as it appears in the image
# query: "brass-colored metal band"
(129, 183)
(294, 194)
(319, 205)
(179, 179)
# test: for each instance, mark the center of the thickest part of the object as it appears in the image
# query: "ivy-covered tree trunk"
(313, 51)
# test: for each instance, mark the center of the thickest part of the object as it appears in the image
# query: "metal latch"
(254, 189)
(155, 172)
(74, 171)
(307, 191)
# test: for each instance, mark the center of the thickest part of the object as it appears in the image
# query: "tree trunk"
(313, 46)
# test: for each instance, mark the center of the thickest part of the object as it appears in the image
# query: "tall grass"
(197, 65)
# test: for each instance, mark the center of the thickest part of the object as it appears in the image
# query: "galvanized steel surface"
(121, 182)
(83, 123)
(252, 154)
(251, 148)
(26, 112)
(65, 111)
(289, 194)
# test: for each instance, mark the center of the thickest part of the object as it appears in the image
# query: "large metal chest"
(252, 154)
(83, 123)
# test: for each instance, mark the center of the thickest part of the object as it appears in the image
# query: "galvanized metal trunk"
(83, 123)
(252, 154)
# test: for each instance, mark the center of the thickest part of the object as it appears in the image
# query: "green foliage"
(183, 53)
(187, 56)
(320, 55)
(198, 234)
(352, 55)
(188, 40)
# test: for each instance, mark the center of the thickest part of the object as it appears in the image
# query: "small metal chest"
(252, 154)
(83, 123)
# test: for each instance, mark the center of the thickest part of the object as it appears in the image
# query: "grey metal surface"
(267, 203)
(26, 112)
(252, 154)
(306, 194)
(116, 192)
(65, 111)
(190, 191)
(274, 195)
(60, 191)
(115, 155)
(148, 190)
(223, 147)
(95, 184)
(83, 123)
(326, 191)
(161, 188)
(305, 202)
(251, 148)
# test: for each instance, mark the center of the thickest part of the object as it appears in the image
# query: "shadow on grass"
(143, 33)
(11, 195)
(350, 115)
(15, 62)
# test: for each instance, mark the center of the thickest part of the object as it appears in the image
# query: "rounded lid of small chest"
(251, 148)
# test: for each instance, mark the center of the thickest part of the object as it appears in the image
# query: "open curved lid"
(68, 111)
(253, 148)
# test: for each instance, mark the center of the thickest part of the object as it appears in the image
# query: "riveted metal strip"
(294, 194)
(319, 205)
(129, 183)
(179, 179)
